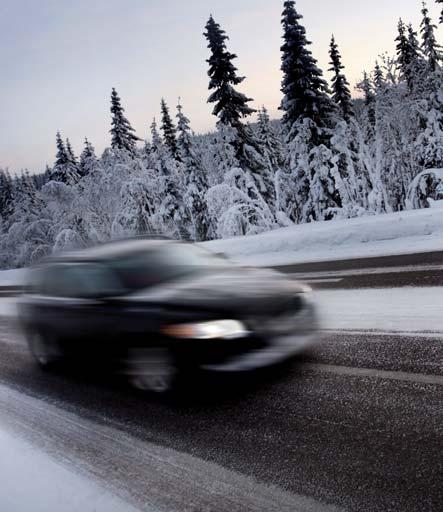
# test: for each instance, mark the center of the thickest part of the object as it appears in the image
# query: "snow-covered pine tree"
(341, 93)
(230, 105)
(6, 197)
(64, 170)
(71, 157)
(308, 118)
(429, 142)
(365, 86)
(194, 183)
(122, 134)
(404, 57)
(169, 130)
(431, 49)
(168, 206)
(379, 79)
(88, 159)
(270, 140)
(305, 92)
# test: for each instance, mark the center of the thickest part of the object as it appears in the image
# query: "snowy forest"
(330, 156)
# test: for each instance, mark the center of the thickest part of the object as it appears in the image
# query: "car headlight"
(217, 329)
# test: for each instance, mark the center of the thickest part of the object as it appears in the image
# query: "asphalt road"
(356, 424)
(387, 271)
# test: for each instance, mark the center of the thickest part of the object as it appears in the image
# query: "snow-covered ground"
(31, 480)
(364, 237)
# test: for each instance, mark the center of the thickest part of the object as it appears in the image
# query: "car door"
(74, 301)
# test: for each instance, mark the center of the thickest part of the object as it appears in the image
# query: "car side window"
(81, 280)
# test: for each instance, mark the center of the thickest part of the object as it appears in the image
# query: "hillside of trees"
(329, 157)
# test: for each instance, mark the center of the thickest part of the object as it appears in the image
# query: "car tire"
(44, 350)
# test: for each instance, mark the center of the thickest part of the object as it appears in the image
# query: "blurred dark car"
(153, 308)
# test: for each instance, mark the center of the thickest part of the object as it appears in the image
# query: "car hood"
(258, 291)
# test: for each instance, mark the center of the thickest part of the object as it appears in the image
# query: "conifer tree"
(88, 160)
(407, 52)
(6, 196)
(269, 140)
(169, 130)
(340, 86)
(72, 158)
(195, 183)
(431, 49)
(123, 136)
(305, 92)
(230, 105)
(379, 79)
(64, 170)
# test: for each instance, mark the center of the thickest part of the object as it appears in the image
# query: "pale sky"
(60, 58)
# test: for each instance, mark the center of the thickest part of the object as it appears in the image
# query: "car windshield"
(143, 269)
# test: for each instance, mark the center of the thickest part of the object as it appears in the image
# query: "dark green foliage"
(169, 130)
(230, 105)
(305, 92)
(431, 49)
(341, 93)
(6, 196)
(122, 133)
(88, 160)
(65, 167)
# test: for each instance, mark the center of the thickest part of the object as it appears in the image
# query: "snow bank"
(31, 480)
(381, 235)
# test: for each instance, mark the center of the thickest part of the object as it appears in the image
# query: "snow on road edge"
(149, 476)
(408, 232)
(31, 480)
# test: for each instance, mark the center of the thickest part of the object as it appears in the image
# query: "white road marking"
(320, 281)
(419, 378)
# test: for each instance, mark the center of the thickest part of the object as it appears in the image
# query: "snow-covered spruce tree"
(379, 79)
(167, 185)
(407, 53)
(122, 133)
(65, 169)
(341, 93)
(194, 183)
(169, 130)
(71, 156)
(6, 197)
(88, 160)
(366, 87)
(230, 106)
(431, 49)
(308, 119)
(305, 92)
(270, 141)
(429, 143)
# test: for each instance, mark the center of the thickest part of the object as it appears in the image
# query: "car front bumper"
(282, 346)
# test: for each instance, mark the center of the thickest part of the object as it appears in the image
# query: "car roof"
(109, 250)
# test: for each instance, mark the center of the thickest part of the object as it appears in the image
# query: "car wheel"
(154, 383)
(43, 350)
(151, 369)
